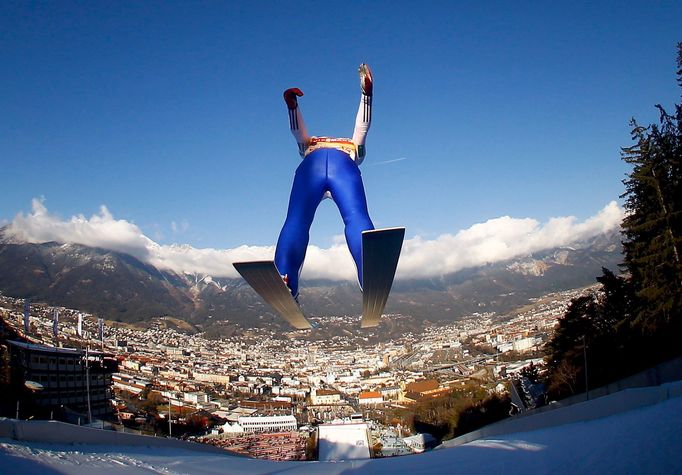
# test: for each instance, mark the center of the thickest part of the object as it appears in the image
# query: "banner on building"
(26, 316)
(55, 323)
(79, 328)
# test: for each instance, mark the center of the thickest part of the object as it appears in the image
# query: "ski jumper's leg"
(345, 184)
(363, 119)
(306, 193)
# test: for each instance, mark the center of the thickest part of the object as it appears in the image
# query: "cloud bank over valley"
(491, 241)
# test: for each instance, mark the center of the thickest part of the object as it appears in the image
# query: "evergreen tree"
(531, 372)
(595, 327)
(632, 322)
(565, 350)
(652, 227)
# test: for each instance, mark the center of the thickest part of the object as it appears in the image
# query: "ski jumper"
(329, 169)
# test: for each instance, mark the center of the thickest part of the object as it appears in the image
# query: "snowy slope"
(644, 440)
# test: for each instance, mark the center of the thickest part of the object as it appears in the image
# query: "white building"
(232, 428)
(131, 365)
(130, 383)
(289, 381)
(268, 423)
(504, 347)
(195, 397)
(390, 392)
(420, 442)
(211, 377)
(370, 398)
(524, 344)
(325, 396)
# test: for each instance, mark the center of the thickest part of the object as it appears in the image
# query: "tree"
(564, 350)
(152, 402)
(654, 218)
(531, 372)
(564, 378)
(492, 409)
(594, 327)
(634, 321)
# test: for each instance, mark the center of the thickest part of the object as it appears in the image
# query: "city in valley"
(264, 392)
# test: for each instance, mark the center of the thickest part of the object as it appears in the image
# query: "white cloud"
(180, 227)
(494, 240)
(100, 230)
(499, 239)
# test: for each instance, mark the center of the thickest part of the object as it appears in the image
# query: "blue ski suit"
(321, 171)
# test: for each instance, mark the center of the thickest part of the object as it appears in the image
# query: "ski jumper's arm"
(364, 117)
(296, 123)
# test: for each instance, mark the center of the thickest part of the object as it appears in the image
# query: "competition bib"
(345, 145)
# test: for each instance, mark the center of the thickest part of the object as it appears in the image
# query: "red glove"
(366, 81)
(290, 97)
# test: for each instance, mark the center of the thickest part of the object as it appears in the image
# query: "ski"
(265, 279)
(380, 254)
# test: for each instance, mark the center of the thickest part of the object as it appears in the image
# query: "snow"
(644, 440)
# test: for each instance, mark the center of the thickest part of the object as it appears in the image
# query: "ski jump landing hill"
(639, 390)
(636, 430)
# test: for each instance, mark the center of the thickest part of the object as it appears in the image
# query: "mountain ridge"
(118, 286)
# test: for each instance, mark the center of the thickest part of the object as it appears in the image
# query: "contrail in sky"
(385, 162)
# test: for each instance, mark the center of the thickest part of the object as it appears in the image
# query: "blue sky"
(171, 112)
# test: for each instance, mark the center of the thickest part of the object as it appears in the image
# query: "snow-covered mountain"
(119, 286)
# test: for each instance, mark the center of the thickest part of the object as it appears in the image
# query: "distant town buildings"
(131, 384)
(261, 381)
